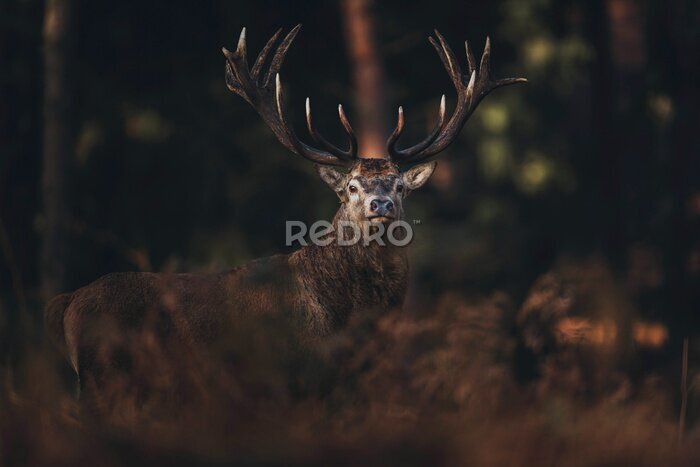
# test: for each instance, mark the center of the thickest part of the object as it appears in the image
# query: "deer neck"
(341, 279)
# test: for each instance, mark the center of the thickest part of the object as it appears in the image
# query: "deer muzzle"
(381, 208)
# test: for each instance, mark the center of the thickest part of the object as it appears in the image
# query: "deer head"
(370, 189)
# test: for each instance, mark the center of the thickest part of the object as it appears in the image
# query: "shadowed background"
(122, 149)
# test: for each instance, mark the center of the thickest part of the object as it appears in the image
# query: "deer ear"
(415, 177)
(333, 178)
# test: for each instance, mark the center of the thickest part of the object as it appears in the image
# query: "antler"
(266, 97)
(471, 88)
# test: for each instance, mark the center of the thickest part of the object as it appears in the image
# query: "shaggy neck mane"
(339, 280)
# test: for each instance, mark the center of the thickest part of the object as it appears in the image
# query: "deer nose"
(381, 206)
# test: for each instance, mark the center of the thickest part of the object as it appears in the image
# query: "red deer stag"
(321, 286)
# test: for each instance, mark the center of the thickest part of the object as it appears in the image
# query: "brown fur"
(316, 288)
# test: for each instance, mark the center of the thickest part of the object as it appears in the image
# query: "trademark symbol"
(416, 221)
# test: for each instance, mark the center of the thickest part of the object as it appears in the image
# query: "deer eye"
(352, 189)
(399, 188)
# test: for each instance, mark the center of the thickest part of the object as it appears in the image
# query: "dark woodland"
(552, 311)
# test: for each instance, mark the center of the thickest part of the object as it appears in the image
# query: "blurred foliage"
(593, 158)
(171, 164)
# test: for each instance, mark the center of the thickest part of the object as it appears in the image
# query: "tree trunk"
(368, 75)
(57, 144)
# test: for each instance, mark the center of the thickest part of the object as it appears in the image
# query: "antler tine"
(449, 59)
(406, 155)
(349, 131)
(238, 68)
(260, 61)
(351, 153)
(409, 155)
(396, 134)
(281, 52)
(485, 64)
(470, 57)
(266, 97)
(471, 88)
(241, 47)
(302, 149)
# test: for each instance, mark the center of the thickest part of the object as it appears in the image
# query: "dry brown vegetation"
(411, 388)
(121, 149)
